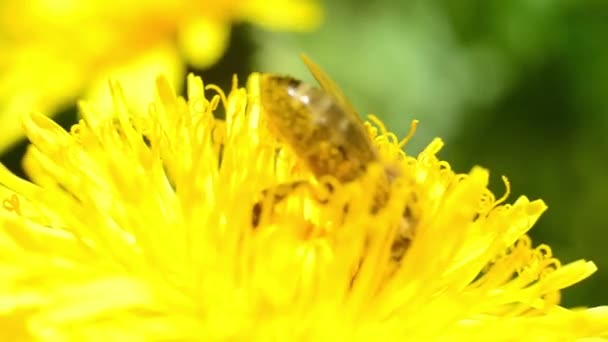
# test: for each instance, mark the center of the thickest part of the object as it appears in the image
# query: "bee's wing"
(354, 138)
(330, 87)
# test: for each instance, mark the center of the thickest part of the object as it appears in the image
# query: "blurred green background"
(518, 86)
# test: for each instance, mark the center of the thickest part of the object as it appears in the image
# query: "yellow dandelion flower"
(52, 51)
(169, 226)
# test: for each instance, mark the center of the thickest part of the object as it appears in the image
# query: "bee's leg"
(405, 231)
(270, 197)
(273, 195)
(404, 235)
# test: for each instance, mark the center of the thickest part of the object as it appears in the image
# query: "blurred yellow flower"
(144, 227)
(54, 51)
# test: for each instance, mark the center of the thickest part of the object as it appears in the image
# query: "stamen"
(12, 204)
(378, 123)
(504, 197)
(220, 92)
(410, 134)
(235, 82)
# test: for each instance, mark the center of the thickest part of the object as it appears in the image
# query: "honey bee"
(320, 125)
(326, 133)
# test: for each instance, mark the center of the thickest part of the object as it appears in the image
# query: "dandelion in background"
(53, 51)
(172, 225)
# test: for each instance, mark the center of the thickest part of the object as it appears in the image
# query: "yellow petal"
(204, 40)
(56, 51)
(281, 14)
(138, 76)
(140, 226)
